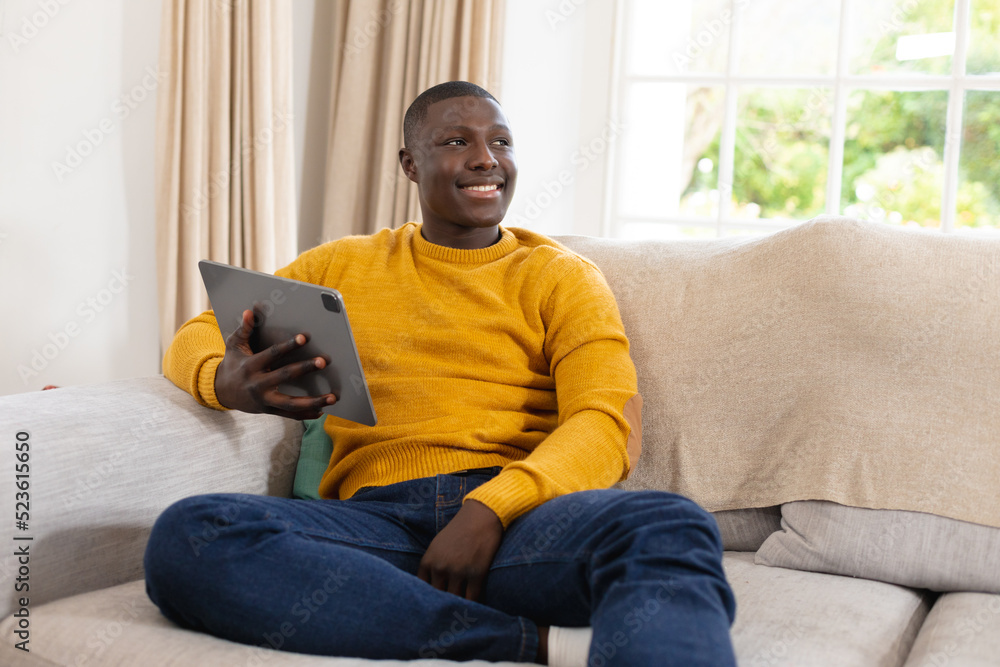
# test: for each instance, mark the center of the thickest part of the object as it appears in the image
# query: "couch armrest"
(105, 460)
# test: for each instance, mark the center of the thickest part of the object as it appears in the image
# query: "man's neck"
(463, 238)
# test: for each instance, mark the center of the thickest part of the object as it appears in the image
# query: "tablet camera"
(331, 302)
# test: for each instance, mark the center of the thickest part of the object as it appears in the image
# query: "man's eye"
(455, 142)
(502, 142)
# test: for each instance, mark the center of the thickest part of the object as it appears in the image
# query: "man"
(475, 520)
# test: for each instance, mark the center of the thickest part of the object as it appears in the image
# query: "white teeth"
(480, 188)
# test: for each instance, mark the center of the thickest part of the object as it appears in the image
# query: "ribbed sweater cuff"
(206, 383)
(510, 494)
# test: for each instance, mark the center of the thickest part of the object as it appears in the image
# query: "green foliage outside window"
(893, 166)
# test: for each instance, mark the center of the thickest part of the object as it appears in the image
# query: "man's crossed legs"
(331, 577)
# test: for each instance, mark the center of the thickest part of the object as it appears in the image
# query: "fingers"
(275, 400)
(298, 416)
(469, 586)
(241, 337)
(443, 582)
(473, 589)
(298, 407)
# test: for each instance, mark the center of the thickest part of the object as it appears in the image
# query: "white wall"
(556, 92)
(77, 227)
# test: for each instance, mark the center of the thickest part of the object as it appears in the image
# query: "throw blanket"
(837, 360)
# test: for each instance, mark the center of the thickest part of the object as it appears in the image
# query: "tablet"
(284, 309)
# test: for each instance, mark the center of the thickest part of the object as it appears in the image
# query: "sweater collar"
(503, 247)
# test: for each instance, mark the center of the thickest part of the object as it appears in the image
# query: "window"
(746, 116)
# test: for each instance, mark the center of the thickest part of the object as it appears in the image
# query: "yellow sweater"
(512, 355)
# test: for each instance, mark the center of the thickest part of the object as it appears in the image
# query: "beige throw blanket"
(838, 360)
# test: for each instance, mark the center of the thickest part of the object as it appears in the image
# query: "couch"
(830, 392)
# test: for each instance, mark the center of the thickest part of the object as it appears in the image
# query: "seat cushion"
(120, 627)
(962, 630)
(806, 619)
(784, 617)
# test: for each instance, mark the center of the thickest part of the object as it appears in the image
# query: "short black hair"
(417, 112)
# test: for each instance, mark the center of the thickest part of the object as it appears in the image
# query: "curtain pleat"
(224, 146)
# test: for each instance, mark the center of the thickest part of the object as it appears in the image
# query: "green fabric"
(314, 457)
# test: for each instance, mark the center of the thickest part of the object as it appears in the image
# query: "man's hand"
(459, 558)
(249, 382)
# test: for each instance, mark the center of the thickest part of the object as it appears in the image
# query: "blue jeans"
(333, 577)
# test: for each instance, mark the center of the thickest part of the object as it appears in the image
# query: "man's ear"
(408, 164)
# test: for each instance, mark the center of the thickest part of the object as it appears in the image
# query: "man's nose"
(482, 157)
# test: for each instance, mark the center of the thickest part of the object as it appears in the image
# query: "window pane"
(893, 170)
(782, 150)
(893, 37)
(668, 38)
(787, 38)
(669, 148)
(984, 46)
(979, 169)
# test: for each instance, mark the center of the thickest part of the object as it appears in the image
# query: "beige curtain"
(385, 53)
(224, 147)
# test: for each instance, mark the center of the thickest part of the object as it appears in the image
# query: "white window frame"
(841, 83)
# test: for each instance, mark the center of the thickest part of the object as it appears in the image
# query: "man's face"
(463, 163)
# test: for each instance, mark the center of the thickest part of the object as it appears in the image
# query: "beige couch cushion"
(962, 630)
(120, 627)
(906, 548)
(804, 619)
(784, 617)
(836, 360)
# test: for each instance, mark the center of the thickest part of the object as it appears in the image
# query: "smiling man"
(475, 521)
(460, 153)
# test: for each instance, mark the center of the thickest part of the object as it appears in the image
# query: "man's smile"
(482, 191)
